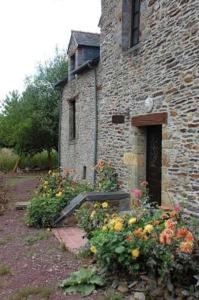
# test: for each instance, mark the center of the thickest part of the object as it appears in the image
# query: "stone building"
(132, 97)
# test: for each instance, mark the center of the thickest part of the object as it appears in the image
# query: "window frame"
(72, 120)
(133, 27)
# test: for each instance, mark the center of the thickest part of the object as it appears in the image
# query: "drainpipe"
(59, 135)
(96, 120)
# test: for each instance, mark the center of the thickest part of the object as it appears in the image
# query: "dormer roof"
(81, 38)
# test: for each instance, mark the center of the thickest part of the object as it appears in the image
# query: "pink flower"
(137, 193)
(177, 207)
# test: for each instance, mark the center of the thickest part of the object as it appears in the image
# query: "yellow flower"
(105, 205)
(118, 226)
(45, 182)
(132, 221)
(92, 214)
(59, 194)
(135, 253)
(104, 228)
(93, 249)
(148, 228)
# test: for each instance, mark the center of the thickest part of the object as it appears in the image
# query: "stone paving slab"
(22, 205)
(72, 237)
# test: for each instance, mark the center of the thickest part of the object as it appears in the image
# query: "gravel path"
(30, 258)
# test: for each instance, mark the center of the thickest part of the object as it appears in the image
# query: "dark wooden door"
(154, 162)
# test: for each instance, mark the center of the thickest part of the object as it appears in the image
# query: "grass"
(6, 240)
(8, 160)
(5, 270)
(26, 293)
(33, 239)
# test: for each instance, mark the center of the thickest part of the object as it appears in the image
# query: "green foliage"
(54, 193)
(29, 122)
(43, 211)
(107, 177)
(83, 281)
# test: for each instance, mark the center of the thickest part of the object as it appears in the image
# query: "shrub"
(159, 244)
(54, 193)
(43, 211)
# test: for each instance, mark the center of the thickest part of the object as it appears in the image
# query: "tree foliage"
(29, 122)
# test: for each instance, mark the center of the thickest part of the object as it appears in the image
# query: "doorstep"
(71, 237)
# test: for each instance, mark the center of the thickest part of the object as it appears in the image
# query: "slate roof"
(86, 38)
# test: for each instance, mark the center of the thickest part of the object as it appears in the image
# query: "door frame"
(139, 123)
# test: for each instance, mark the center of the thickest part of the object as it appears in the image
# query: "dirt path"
(32, 262)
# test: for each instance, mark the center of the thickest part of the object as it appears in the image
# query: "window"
(72, 120)
(135, 22)
(84, 172)
(130, 23)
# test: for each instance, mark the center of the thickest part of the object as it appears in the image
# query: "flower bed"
(54, 193)
(159, 244)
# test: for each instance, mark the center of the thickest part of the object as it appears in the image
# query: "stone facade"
(163, 66)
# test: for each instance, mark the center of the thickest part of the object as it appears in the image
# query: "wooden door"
(154, 162)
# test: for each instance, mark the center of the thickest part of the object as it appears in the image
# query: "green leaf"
(120, 249)
(97, 280)
(86, 289)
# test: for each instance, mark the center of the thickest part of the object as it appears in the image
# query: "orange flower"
(170, 224)
(182, 232)
(138, 232)
(157, 222)
(166, 236)
(186, 247)
(129, 238)
(189, 237)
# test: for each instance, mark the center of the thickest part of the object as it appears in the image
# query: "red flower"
(144, 183)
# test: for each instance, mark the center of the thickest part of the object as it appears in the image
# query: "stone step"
(72, 237)
(22, 205)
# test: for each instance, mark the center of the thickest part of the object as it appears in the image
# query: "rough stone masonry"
(163, 66)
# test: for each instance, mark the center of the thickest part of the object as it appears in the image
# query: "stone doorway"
(146, 161)
(154, 162)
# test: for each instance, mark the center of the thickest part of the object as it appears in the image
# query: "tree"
(30, 121)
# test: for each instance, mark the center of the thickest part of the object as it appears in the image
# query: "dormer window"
(83, 48)
(72, 63)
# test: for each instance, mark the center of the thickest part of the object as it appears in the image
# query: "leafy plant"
(107, 177)
(54, 193)
(84, 281)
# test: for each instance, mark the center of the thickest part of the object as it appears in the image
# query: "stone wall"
(77, 153)
(163, 66)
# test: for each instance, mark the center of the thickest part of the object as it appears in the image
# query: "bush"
(158, 244)
(54, 193)
(43, 211)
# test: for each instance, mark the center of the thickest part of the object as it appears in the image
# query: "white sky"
(31, 29)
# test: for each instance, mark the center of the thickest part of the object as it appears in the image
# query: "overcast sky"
(31, 29)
